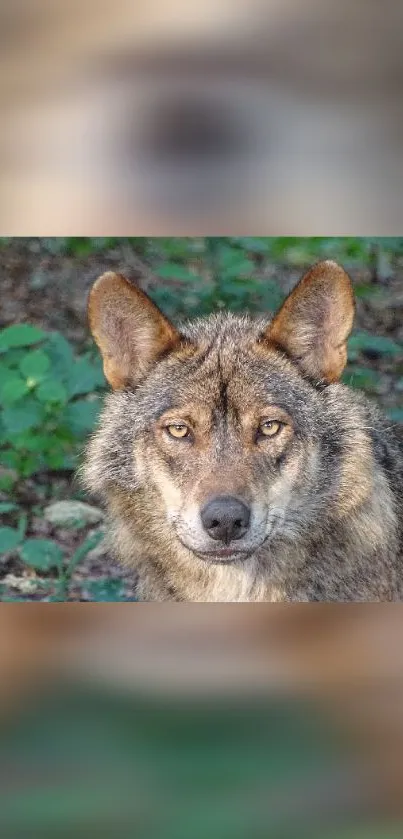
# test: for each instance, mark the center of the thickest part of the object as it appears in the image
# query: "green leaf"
(368, 291)
(81, 415)
(11, 359)
(61, 355)
(7, 481)
(79, 246)
(54, 459)
(176, 272)
(21, 418)
(252, 243)
(7, 507)
(11, 459)
(35, 365)
(396, 414)
(362, 340)
(70, 461)
(88, 545)
(393, 243)
(42, 554)
(361, 378)
(30, 464)
(6, 373)
(85, 377)
(20, 335)
(271, 295)
(106, 591)
(233, 263)
(9, 539)
(22, 524)
(242, 268)
(52, 391)
(34, 442)
(13, 389)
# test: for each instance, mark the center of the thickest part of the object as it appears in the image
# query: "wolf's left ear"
(313, 324)
(129, 329)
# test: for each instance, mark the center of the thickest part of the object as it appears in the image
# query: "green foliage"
(376, 344)
(42, 554)
(203, 274)
(42, 420)
(9, 539)
(213, 273)
(7, 507)
(86, 546)
(109, 590)
(19, 335)
(48, 405)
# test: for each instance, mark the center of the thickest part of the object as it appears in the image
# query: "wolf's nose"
(225, 518)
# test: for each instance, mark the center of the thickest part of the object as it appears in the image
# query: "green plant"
(204, 275)
(47, 401)
(48, 405)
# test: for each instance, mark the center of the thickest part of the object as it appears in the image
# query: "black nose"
(225, 518)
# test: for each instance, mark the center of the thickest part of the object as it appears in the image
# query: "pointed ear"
(314, 323)
(129, 329)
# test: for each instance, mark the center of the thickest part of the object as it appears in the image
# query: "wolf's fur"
(325, 493)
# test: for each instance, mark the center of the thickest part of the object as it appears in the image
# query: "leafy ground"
(51, 380)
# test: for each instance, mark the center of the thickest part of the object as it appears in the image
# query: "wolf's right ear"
(314, 323)
(129, 329)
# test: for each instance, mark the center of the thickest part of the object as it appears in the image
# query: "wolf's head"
(229, 430)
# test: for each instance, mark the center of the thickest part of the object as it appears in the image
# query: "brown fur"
(324, 492)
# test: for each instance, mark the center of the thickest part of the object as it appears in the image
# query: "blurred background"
(52, 383)
(175, 720)
(218, 117)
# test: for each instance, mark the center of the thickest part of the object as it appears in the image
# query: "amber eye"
(270, 428)
(178, 430)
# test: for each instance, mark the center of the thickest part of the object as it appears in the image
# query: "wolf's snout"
(225, 518)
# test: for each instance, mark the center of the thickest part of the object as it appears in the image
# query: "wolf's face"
(231, 443)
(222, 427)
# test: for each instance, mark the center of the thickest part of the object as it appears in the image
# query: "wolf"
(234, 464)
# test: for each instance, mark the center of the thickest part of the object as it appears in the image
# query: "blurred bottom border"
(178, 720)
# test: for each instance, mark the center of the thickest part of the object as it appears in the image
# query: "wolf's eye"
(270, 428)
(178, 430)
